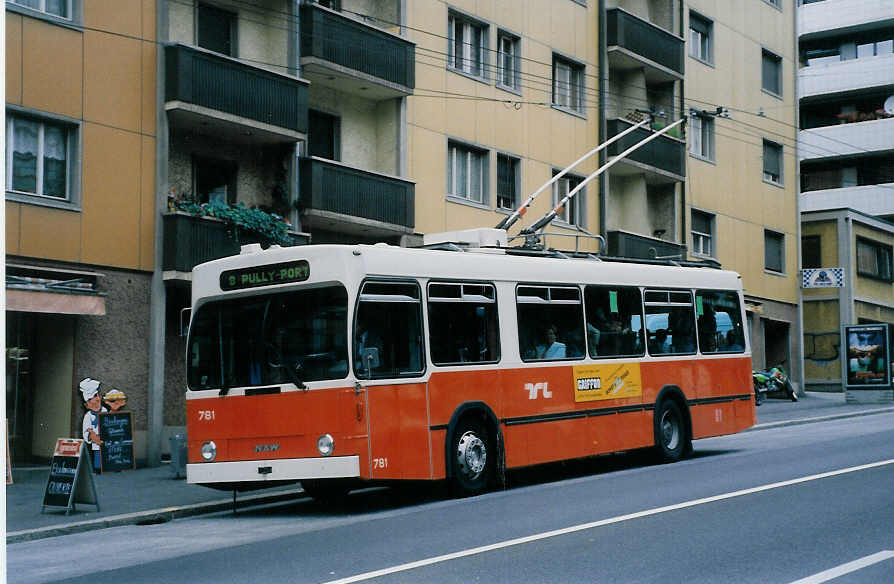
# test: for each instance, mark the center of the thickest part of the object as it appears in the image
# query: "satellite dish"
(889, 105)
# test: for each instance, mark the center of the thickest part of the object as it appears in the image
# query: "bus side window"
(614, 321)
(462, 319)
(550, 323)
(388, 331)
(720, 328)
(670, 322)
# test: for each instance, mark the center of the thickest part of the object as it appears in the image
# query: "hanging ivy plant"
(269, 227)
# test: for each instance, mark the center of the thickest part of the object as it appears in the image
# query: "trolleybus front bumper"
(284, 469)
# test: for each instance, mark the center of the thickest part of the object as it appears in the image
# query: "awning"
(53, 291)
(54, 302)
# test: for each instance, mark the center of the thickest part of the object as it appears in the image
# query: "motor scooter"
(772, 383)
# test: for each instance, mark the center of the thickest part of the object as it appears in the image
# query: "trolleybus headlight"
(325, 444)
(209, 451)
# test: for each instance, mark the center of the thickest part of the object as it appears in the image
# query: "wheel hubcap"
(471, 454)
(670, 431)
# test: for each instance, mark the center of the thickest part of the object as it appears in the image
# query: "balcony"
(189, 241)
(346, 54)
(624, 244)
(842, 17)
(663, 159)
(857, 138)
(216, 94)
(634, 43)
(356, 201)
(846, 76)
(876, 200)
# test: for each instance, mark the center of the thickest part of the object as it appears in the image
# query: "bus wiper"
(291, 373)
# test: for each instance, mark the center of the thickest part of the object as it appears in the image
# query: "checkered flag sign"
(822, 278)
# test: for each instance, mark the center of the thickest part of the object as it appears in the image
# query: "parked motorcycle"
(772, 383)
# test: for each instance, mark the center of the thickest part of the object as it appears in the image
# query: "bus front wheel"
(671, 438)
(473, 458)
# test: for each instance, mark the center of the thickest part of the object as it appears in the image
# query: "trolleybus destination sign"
(268, 275)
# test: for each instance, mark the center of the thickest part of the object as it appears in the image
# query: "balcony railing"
(227, 85)
(345, 42)
(336, 188)
(630, 245)
(664, 153)
(644, 39)
(189, 241)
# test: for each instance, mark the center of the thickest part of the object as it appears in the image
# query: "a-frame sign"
(71, 477)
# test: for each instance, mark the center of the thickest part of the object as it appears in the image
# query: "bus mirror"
(370, 358)
(185, 315)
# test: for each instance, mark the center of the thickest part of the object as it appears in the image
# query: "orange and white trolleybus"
(341, 365)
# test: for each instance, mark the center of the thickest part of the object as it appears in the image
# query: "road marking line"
(847, 568)
(601, 523)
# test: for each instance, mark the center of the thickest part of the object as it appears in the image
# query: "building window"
(323, 136)
(214, 180)
(509, 61)
(775, 3)
(875, 49)
(568, 84)
(771, 72)
(773, 162)
(508, 181)
(573, 212)
(811, 252)
(701, 135)
(217, 30)
(701, 38)
(60, 8)
(702, 233)
(467, 45)
(38, 157)
(774, 251)
(874, 259)
(467, 172)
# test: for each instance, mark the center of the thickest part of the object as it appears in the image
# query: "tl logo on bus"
(534, 388)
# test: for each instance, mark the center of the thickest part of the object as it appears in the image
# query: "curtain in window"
(35, 4)
(562, 89)
(772, 155)
(867, 261)
(695, 135)
(24, 156)
(770, 73)
(54, 163)
(58, 7)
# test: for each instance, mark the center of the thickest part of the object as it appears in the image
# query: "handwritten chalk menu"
(116, 433)
(71, 479)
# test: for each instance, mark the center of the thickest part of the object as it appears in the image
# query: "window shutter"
(698, 24)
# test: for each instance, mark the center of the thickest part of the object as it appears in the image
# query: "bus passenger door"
(397, 417)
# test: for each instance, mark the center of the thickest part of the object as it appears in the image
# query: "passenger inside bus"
(550, 348)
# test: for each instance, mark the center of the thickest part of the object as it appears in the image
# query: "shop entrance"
(39, 385)
(776, 344)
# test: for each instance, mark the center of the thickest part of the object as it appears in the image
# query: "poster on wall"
(868, 360)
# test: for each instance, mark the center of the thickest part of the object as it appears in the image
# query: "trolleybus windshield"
(269, 339)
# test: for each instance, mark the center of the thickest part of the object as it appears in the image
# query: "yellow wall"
(733, 187)
(521, 125)
(103, 76)
(828, 233)
(822, 341)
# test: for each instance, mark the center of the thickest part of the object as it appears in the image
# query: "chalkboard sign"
(116, 433)
(71, 479)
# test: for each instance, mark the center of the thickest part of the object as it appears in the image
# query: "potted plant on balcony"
(269, 228)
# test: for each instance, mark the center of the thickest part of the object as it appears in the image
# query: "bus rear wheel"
(473, 458)
(672, 440)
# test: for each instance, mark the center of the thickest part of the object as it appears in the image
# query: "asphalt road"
(810, 503)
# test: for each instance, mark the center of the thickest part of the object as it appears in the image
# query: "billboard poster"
(867, 362)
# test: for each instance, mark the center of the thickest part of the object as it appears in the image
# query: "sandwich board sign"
(71, 478)
(116, 432)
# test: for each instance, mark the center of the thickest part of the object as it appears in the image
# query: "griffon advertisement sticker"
(614, 381)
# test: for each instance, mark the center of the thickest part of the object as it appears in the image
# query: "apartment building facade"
(846, 152)
(80, 196)
(727, 189)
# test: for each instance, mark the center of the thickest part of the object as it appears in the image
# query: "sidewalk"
(152, 494)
